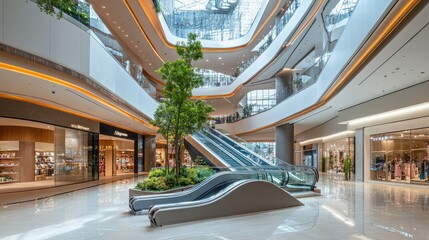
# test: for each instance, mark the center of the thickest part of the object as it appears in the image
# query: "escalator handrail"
(316, 172)
(218, 147)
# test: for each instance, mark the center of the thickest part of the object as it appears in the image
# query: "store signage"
(120, 134)
(80, 127)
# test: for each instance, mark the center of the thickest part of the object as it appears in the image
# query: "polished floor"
(346, 210)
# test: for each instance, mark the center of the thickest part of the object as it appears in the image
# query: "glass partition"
(74, 158)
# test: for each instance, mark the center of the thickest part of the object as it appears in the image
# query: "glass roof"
(218, 20)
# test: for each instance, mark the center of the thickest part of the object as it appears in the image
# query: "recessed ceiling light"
(126, 35)
(103, 6)
(207, 60)
(119, 27)
(220, 58)
(135, 46)
(150, 64)
(114, 22)
(107, 14)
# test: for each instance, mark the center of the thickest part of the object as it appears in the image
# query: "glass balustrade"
(272, 34)
(214, 79)
(307, 71)
(85, 14)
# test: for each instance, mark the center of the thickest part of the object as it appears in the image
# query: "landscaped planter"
(133, 192)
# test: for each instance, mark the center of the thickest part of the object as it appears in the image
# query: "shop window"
(400, 156)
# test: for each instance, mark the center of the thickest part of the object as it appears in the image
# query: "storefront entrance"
(116, 156)
(400, 156)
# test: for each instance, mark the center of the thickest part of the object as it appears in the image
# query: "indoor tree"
(179, 115)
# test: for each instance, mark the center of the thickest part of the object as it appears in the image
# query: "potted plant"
(347, 168)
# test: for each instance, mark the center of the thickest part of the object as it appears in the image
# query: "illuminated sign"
(80, 127)
(120, 134)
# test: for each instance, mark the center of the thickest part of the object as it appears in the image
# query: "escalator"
(302, 178)
(240, 197)
(210, 186)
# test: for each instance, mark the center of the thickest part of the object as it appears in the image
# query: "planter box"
(134, 192)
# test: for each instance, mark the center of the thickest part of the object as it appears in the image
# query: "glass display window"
(400, 156)
(336, 152)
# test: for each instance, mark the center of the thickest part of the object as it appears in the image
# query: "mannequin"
(398, 170)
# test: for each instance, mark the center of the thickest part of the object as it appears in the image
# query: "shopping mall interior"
(324, 99)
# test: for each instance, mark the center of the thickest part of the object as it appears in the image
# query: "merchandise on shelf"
(9, 163)
(44, 163)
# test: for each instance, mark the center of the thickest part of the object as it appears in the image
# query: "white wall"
(25, 28)
(62, 42)
(347, 45)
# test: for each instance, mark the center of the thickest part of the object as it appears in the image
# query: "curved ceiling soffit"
(45, 77)
(383, 32)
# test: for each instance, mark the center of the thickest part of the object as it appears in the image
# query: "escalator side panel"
(246, 197)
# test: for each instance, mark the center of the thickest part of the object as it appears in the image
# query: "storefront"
(38, 152)
(118, 151)
(400, 156)
(42, 147)
(336, 152)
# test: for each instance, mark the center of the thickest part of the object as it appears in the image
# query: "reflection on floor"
(346, 210)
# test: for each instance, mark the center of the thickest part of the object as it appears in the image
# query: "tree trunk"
(176, 142)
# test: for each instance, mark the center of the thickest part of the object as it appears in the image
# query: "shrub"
(183, 181)
(158, 180)
(157, 172)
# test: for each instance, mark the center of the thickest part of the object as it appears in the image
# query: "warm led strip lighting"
(58, 81)
(142, 30)
(391, 26)
(29, 100)
(328, 138)
(155, 23)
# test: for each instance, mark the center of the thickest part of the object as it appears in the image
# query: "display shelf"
(8, 165)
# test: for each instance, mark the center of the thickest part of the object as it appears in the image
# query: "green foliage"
(347, 168)
(199, 161)
(78, 11)
(178, 115)
(157, 172)
(185, 182)
(324, 164)
(158, 181)
(157, 6)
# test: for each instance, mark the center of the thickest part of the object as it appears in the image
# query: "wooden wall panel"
(27, 134)
(26, 161)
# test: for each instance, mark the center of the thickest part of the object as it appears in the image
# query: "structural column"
(285, 142)
(284, 84)
(359, 155)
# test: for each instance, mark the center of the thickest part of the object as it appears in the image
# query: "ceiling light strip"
(133, 14)
(54, 107)
(391, 26)
(61, 82)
